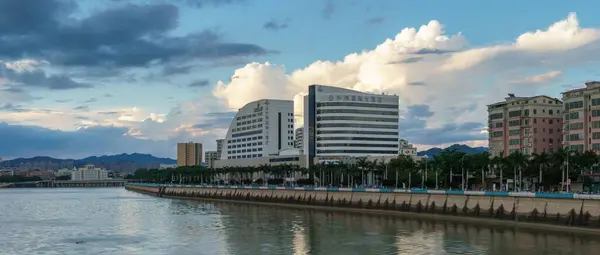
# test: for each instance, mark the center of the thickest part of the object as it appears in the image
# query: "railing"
(388, 190)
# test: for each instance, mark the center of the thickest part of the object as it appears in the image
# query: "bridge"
(67, 184)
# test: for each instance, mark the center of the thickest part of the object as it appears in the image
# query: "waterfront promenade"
(554, 209)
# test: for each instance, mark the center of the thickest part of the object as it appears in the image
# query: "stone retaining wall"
(520, 207)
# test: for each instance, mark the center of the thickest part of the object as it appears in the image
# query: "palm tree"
(517, 161)
(363, 164)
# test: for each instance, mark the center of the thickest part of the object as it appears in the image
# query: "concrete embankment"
(563, 211)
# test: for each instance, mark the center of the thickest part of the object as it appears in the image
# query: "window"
(596, 124)
(514, 141)
(576, 126)
(574, 105)
(595, 113)
(550, 121)
(514, 114)
(596, 146)
(499, 124)
(534, 111)
(513, 123)
(573, 116)
(495, 116)
(595, 101)
(574, 137)
(496, 134)
(527, 130)
(550, 112)
(596, 135)
(526, 113)
(578, 147)
(514, 132)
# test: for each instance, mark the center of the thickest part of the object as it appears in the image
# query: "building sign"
(259, 109)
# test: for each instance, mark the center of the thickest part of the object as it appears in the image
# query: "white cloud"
(457, 81)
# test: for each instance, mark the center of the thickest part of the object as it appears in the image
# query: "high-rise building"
(525, 124)
(340, 122)
(220, 147)
(209, 158)
(581, 118)
(259, 129)
(298, 137)
(189, 154)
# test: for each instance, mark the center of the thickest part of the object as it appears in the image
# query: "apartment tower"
(340, 123)
(582, 118)
(525, 124)
(189, 154)
(260, 129)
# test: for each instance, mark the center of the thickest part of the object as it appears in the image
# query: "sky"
(89, 77)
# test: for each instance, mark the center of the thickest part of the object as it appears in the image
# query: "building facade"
(340, 122)
(189, 154)
(89, 173)
(210, 157)
(406, 148)
(581, 118)
(220, 147)
(298, 138)
(259, 129)
(525, 124)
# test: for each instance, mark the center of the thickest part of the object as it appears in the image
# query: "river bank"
(500, 209)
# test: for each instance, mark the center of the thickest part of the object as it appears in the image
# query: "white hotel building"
(341, 123)
(260, 129)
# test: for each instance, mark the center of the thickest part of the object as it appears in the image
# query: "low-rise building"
(406, 148)
(167, 166)
(89, 173)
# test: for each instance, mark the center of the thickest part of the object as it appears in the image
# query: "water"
(116, 221)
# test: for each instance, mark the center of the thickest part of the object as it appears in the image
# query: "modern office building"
(260, 129)
(581, 118)
(220, 147)
(89, 173)
(340, 122)
(189, 154)
(406, 148)
(210, 157)
(525, 124)
(298, 137)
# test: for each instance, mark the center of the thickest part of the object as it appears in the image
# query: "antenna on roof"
(511, 95)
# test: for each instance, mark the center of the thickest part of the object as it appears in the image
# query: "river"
(116, 221)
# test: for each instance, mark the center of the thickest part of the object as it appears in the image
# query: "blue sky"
(143, 75)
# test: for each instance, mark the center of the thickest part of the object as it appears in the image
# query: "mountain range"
(131, 162)
(458, 147)
(120, 162)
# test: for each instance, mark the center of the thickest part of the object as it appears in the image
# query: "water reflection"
(115, 221)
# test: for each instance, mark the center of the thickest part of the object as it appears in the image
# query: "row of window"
(350, 125)
(244, 145)
(354, 111)
(345, 138)
(352, 118)
(357, 145)
(354, 132)
(372, 99)
(245, 156)
(249, 116)
(349, 104)
(367, 152)
(574, 105)
(231, 152)
(245, 139)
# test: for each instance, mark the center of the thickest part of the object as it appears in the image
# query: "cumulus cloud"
(426, 66)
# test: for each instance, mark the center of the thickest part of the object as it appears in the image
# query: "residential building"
(89, 173)
(298, 137)
(210, 157)
(220, 143)
(259, 129)
(406, 148)
(63, 172)
(189, 154)
(525, 124)
(341, 123)
(167, 166)
(581, 116)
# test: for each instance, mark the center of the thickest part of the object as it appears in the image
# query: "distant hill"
(458, 147)
(121, 162)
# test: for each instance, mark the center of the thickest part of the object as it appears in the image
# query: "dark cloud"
(432, 52)
(91, 100)
(328, 10)
(200, 83)
(110, 113)
(376, 20)
(108, 95)
(276, 25)
(63, 100)
(82, 108)
(407, 61)
(129, 35)
(172, 69)
(11, 108)
(38, 78)
(413, 127)
(30, 141)
(417, 83)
